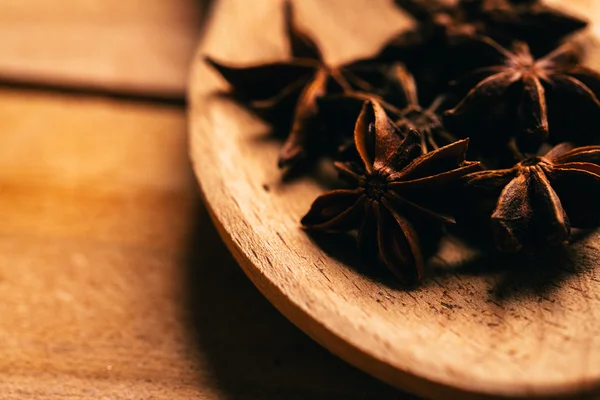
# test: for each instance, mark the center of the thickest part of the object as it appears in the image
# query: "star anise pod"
(290, 89)
(394, 184)
(446, 17)
(410, 115)
(528, 20)
(503, 20)
(399, 97)
(535, 203)
(517, 87)
(428, 56)
(431, 51)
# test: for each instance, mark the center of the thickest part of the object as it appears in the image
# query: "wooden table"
(113, 282)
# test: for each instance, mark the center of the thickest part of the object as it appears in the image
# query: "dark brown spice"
(394, 182)
(535, 203)
(289, 89)
(431, 52)
(400, 98)
(532, 21)
(446, 17)
(527, 90)
(503, 20)
(408, 113)
(428, 56)
(407, 174)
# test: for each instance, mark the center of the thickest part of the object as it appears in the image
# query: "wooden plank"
(134, 46)
(113, 282)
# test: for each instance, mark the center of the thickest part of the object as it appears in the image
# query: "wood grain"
(479, 327)
(134, 46)
(113, 282)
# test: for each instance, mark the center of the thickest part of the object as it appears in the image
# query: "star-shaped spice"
(398, 95)
(394, 184)
(289, 89)
(427, 55)
(535, 203)
(431, 52)
(447, 17)
(528, 20)
(503, 20)
(410, 115)
(517, 87)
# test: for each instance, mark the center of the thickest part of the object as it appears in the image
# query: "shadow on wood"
(521, 277)
(255, 353)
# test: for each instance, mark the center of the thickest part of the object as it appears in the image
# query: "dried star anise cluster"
(495, 81)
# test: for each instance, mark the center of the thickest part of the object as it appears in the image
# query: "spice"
(533, 21)
(503, 20)
(400, 99)
(448, 17)
(513, 91)
(411, 116)
(528, 91)
(290, 88)
(431, 51)
(427, 55)
(393, 182)
(535, 203)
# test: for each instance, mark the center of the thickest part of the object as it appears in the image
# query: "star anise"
(536, 202)
(431, 52)
(410, 115)
(290, 88)
(503, 20)
(428, 56)
(447, 17)
(516, 87)
(394, 184)
(528, 20)
(399, 97)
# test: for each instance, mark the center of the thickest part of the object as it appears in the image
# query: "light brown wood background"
(113, 282)
(140, 46)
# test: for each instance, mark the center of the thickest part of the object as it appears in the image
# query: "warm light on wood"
(133, 46)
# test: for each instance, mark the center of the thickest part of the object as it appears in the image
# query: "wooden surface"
(474, 329)
(114, 283)
(131, 46)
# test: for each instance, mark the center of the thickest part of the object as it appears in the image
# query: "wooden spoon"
(474, 329)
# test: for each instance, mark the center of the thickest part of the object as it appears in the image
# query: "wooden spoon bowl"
(477, 327)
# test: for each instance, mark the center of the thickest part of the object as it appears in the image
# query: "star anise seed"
(535, 203)
(409, 115)
(503, 20)
(428, 56)
(394, 184)
(532, 21)
(431, 52)
(445, 17)
(530, 91)
(296, 84)
(399, 97)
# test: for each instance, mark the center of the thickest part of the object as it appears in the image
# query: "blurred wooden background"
(113, 282)
(136, 46)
